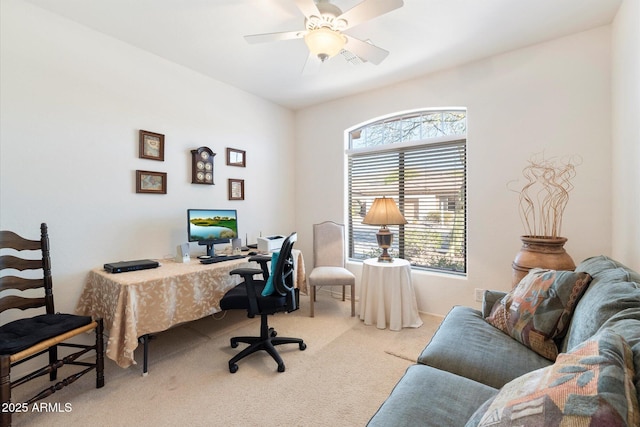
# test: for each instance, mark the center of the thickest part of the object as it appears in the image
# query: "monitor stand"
(210, 247)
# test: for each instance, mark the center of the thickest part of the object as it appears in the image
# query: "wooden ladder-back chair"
(26, 338)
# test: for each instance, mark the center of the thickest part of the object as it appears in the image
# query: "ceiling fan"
(324, 30)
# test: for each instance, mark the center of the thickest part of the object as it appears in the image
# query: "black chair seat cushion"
(236, 299)
(24, 333)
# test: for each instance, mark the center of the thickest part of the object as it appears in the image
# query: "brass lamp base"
(385, 238)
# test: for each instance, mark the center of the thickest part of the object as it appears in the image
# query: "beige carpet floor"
(346, 372)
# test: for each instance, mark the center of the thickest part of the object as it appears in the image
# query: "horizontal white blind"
(428, 183)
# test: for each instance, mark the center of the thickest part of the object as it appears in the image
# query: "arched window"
(419, 160)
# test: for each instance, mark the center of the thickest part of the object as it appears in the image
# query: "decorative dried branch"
(544, 196)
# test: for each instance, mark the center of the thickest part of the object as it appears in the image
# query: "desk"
(138, 303)
(387, 296)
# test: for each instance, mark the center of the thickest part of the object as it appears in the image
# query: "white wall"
(553, 97)
(72, 103)
(626, 134)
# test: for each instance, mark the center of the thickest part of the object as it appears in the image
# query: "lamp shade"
(384, 212)
(324, 42)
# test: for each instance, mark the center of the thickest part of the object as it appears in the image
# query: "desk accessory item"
(270, 243)
(245, 247)
(236, 245)
(124, 266)
(202, 166)
(182, 253)
(220, 258)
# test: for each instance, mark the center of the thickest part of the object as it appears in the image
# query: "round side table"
(387, 296)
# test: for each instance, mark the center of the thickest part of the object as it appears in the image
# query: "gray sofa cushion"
(627, 324)
(612, 301)
(425, 396)
(489, 299)
(614, 290)
(466, 345)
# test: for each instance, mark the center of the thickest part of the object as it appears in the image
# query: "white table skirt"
(387, 296)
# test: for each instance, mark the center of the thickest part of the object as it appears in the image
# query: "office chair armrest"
(247, 274)
(246, 271)
(263, 260)
(260, 258)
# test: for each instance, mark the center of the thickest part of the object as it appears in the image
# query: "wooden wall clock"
(202, 166)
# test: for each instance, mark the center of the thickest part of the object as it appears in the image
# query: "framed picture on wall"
(151, 145)
(236, 189)
(151, 182)
(236, 157)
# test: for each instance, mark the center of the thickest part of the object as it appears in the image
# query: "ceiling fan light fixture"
(324, 42)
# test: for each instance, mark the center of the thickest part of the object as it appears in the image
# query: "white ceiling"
(423, 36)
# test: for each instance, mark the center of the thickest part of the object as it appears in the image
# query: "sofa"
(473, 372)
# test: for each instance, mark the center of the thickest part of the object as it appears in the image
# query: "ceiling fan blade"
(369, 9)
(364, 50)
(312, 65)
(272, 37)
(308, 7)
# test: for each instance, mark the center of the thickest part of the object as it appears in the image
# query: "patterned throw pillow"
(538, 310)
(590, 386)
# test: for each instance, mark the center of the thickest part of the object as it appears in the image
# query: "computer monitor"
(212, 226)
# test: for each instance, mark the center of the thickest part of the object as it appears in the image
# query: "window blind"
(428, 183)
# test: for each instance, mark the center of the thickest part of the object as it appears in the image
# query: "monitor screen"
(212, 226)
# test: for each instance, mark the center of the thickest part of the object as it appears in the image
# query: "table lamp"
(384, 212)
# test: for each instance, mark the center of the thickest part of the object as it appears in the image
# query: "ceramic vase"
(540, 252)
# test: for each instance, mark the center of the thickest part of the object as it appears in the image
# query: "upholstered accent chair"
(329, 257)
(26, 268)
(275, 293)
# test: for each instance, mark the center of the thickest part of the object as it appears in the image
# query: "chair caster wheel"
(233, 368)
(273, 333)
(234, 344)
(303, 346)
(281, 367)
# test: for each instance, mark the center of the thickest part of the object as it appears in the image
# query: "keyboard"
(220, 258)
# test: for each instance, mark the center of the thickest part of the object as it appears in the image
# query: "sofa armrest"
(489, 299)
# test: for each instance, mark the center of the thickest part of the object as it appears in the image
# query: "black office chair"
(248, 296)
(29, 337)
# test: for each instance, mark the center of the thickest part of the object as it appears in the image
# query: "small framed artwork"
(151, 145)
(236, 189)
(151, 182)
(236, 157)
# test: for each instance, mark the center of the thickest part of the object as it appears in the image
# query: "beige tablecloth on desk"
(137, 303)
